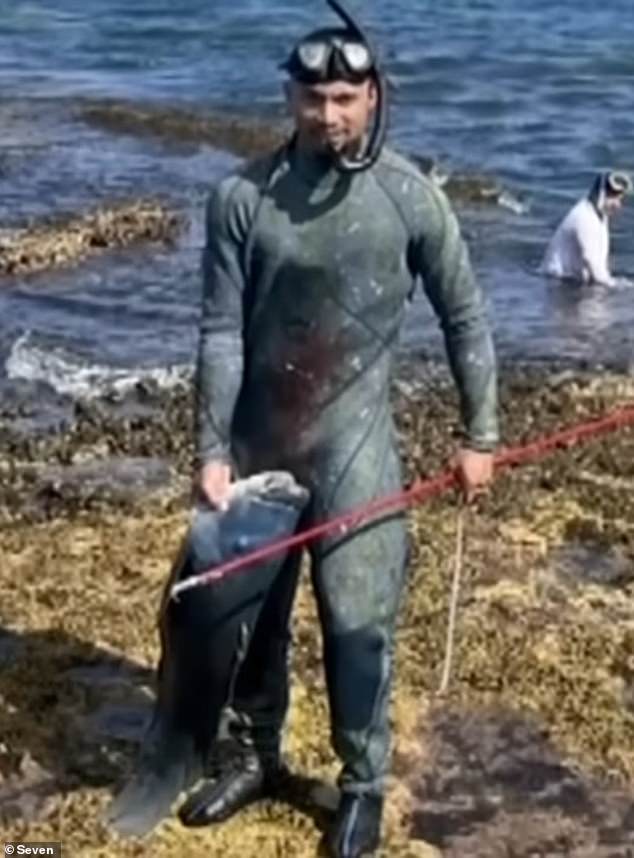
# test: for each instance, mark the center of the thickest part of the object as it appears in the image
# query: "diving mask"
(330, 54)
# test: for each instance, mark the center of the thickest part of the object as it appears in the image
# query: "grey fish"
(204, 635)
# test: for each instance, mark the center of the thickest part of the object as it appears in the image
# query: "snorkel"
(597, 194)
(326, 54)
(377, 136)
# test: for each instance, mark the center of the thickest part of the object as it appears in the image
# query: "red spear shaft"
(419, 491)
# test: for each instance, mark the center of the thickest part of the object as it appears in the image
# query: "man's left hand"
(475, 472)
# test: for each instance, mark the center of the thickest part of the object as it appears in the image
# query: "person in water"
(310, 259)
(580, 248)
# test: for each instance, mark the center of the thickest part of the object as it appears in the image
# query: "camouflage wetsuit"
(307, 272)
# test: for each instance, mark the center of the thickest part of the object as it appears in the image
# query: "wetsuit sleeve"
(220, 351)
(439, 256)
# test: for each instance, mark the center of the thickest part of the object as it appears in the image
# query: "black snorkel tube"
(376, 140)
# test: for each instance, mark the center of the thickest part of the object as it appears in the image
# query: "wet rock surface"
(113, 450)
(31, 407)
(67, 240)
(530, 753)
(593, 563)
(495, 785)
(116, 479)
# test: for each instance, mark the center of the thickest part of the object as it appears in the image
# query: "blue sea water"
(539, 95)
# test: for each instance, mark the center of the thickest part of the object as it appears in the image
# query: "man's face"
(331, 117)
(613, 203)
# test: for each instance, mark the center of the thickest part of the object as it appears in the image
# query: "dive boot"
(356, 830)
(240, 780)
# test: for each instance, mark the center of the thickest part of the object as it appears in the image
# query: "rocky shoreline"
(65, 240)
(530, 753)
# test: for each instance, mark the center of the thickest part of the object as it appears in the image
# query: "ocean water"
(541, 97)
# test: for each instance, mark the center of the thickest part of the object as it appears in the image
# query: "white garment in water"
(580, 247)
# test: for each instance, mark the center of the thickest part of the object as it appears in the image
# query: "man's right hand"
(214, 480)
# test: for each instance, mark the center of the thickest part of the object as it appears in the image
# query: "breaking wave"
(70, 375)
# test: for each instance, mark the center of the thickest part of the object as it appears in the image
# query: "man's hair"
(617, 184)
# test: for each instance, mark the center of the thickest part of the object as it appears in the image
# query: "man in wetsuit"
(310, 259)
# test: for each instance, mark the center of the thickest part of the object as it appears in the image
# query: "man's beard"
(338, 147)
